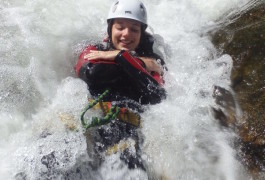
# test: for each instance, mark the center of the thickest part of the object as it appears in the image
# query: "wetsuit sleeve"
(101, 74)
(82, 62)
(97, 73)
(149, 84)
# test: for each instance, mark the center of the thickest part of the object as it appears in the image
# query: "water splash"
(38, 89)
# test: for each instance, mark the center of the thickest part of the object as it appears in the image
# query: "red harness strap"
(136, 63)
(158, 77)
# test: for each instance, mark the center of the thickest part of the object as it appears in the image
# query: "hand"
(106, 55)
(151, 65)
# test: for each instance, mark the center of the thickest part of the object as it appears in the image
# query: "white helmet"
(130, 9)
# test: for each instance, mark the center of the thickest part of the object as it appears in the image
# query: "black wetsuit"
(131, 85)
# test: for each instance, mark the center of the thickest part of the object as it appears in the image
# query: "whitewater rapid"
(39, 45)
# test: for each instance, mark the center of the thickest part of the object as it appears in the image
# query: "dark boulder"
(242, 36)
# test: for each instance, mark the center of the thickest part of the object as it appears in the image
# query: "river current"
(39, 45)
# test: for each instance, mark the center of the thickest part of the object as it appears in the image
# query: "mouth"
(125, 42)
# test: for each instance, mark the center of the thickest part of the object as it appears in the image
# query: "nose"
(126, 32)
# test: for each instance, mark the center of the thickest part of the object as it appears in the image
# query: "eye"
(119, 27)
(135, 30)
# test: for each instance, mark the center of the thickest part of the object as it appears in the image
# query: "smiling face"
(126, 34)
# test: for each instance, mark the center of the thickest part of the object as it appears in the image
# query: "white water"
(39, 43)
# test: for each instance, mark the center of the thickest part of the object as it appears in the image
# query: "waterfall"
(39, 92)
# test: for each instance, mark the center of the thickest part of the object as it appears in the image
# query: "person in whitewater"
(126, 65)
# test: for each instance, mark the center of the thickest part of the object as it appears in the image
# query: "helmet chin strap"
(109, 31)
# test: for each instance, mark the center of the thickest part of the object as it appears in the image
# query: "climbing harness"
(125, 115)
(96, 121)
(111, 112)
(116, 110)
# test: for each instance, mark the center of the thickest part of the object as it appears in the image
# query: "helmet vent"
(142, 8)
(115, 6)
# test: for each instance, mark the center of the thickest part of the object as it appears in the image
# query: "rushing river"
(39, 44)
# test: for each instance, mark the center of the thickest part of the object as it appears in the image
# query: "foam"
(182, 139)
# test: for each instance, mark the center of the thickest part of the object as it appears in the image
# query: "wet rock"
(242, 36)
(226, 114)
(21, 176)
(51, 164)
(49, 160)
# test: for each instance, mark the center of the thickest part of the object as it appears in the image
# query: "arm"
(150, 87)
(82, 62)
(150, 64)
(95, 70)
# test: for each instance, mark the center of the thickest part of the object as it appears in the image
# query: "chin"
(125, 48)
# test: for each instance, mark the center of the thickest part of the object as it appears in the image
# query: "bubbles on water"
(186, 138)
(53, 146)
(17, 90)
(182, 140)
(115, 168)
